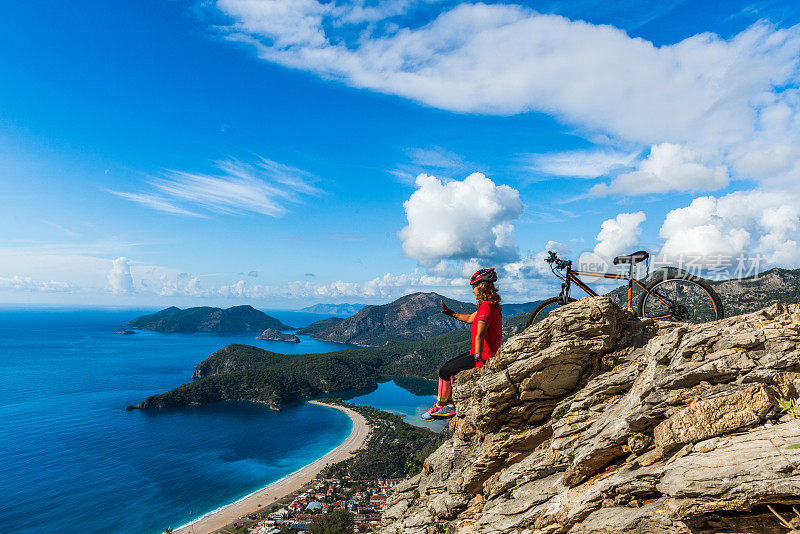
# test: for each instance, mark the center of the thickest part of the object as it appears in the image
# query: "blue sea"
(73, 460)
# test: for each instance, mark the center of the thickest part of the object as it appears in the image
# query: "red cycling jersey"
(488, 313)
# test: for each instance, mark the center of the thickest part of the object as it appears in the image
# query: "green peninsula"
(244, 372)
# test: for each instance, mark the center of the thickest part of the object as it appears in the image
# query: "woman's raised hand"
(446, 310)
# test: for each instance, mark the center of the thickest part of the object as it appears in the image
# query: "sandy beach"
(291, 483)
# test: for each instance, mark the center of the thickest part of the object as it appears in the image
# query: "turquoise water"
(75, 461)
(392, 398)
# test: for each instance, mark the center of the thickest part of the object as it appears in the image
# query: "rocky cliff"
(596, 421)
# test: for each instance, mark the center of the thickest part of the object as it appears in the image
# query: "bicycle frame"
(572, 276)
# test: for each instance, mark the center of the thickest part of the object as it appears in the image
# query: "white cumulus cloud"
(119, 277)
(741, 223)
(668, 167)
(387, 286)
(460, 220)
(534, 265)
(617, 236)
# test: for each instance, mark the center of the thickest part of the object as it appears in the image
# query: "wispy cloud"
(26, 283)
(591, 163)
(155, 201)
(264, 186)
(435, 157)
(428, 160)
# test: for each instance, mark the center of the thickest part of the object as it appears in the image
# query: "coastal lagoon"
(391, 397)
(74, 460)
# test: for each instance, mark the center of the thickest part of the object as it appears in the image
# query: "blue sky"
(200, 152)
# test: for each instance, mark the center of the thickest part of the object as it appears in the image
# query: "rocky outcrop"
(271, 334)
(596, 421)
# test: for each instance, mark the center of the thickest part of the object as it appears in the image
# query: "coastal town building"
(365, 499)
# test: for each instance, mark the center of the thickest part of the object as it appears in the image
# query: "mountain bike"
(670, 296)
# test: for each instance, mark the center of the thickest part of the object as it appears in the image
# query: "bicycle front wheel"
(680, 297)
(544, 308)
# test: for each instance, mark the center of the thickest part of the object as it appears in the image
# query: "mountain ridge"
(411, 317)
(333, 309)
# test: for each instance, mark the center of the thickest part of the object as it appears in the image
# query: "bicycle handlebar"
(553, 258)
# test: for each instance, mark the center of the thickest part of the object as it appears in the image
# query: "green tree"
(336, 522)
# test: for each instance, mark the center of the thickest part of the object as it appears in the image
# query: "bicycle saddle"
(634, 258)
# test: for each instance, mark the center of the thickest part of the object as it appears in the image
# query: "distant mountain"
(207, 319)
(319, 326)
(415, 316)
(343, 310)
(753, 293)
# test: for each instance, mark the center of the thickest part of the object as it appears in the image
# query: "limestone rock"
(574, 427)
(715, 416)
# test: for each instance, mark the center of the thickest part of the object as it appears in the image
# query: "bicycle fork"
(565, 287)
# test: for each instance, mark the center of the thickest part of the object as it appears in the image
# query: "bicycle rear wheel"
(544, 308)
(680, 297)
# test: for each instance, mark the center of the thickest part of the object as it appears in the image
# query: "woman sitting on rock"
(487, 330)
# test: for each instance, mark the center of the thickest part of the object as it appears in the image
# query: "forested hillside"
(208, 319)
(244, 372)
